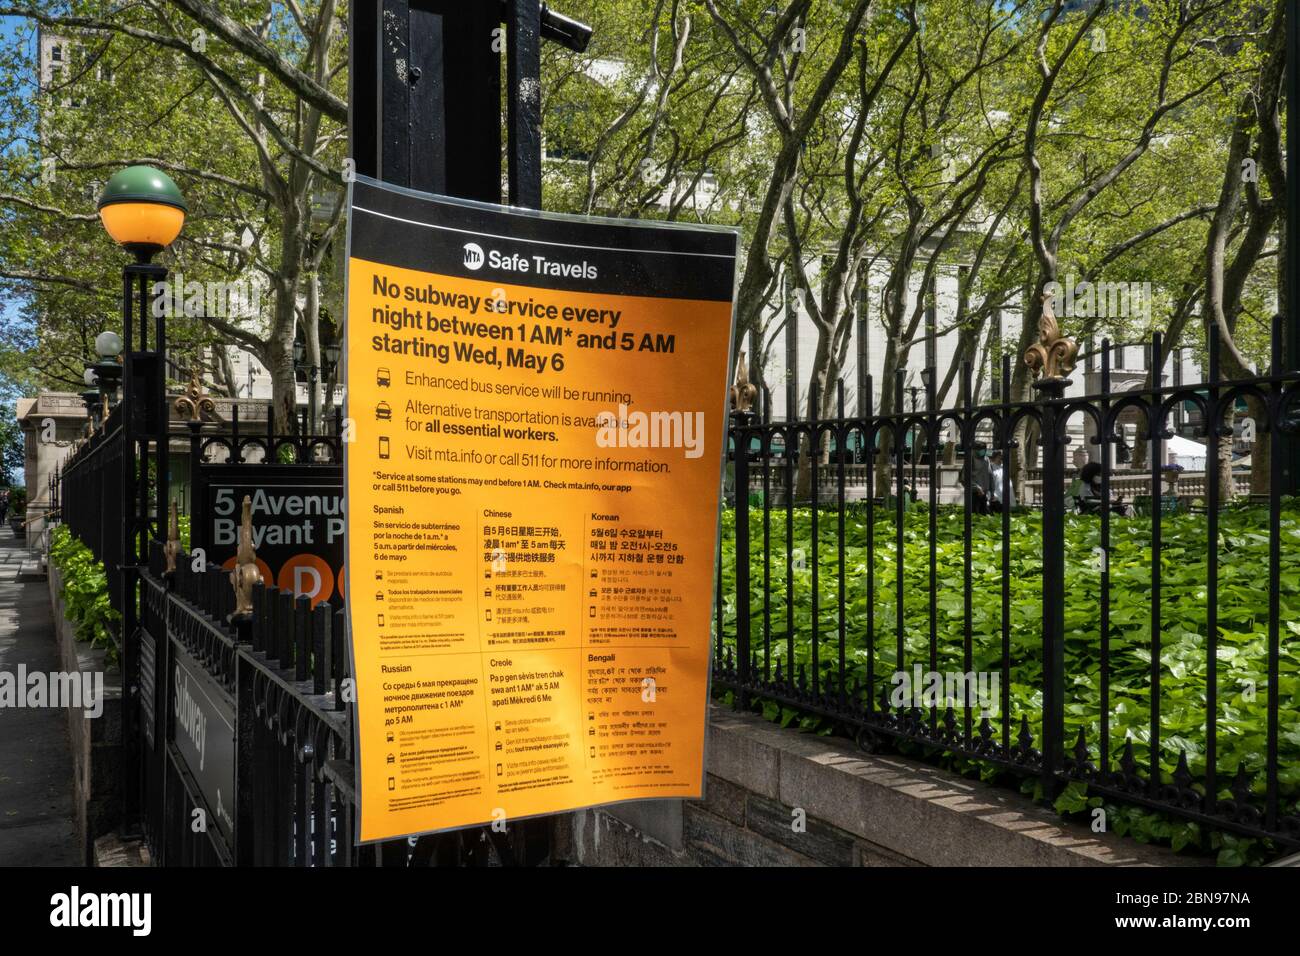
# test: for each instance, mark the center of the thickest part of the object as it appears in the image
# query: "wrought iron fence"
(86, 494)
(275, 784)
(279, 674)
(1150, 658)
(283, 793)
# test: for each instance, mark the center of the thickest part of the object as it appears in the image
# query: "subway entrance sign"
(532, 501)
(298, 523)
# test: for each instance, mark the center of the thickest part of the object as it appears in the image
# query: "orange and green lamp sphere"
(142, 210)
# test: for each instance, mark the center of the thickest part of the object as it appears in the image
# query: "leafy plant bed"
(1242, 672)
(85, 592)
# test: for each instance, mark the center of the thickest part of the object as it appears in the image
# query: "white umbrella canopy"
(1185, 452)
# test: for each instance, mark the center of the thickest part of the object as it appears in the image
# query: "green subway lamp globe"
(142, 210)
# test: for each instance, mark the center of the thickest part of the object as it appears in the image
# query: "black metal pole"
(740, 421)
(425, 90)
(524, 49)
(1053, 750)
(313, 373)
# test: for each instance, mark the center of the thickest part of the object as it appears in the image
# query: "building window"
(56, 53)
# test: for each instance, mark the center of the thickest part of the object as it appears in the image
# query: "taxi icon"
(384, 412)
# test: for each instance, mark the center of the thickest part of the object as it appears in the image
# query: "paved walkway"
(36, 802)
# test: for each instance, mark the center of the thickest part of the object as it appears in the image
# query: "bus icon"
(383, 377)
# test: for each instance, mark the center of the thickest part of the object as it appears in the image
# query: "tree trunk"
(822, 396)
(1141, 452)
(1223, 467)
(284, 398)
(311, 335)
(885, 450)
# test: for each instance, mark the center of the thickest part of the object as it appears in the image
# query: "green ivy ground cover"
(1242, 679)
(85, 591)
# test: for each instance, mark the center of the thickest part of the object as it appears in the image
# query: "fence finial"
(194, 403)
(245, 574)
(1053, 355)
(743, 392)
(172, 549)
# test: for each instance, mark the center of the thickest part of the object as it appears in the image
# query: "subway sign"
(298, 524)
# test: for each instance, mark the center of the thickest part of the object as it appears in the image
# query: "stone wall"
(96, 742)
(775, 797)
(52, 422)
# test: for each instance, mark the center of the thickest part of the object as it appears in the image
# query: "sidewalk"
(36, 797)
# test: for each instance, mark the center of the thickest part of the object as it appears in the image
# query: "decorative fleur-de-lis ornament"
(245, 573)
(1052, 356)
(172, 549)
(743, 392)
(194, 403)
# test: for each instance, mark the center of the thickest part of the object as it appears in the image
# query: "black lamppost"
(108, 370)
(300, 364)
(330, 360)
(143, 211)
(92, 396)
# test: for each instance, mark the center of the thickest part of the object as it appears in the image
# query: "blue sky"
(9, 27)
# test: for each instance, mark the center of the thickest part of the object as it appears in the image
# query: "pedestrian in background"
(979, 480)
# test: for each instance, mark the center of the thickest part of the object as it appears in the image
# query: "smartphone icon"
(384, 449)
(381, 620)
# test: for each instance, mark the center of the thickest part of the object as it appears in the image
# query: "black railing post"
(1050, 392)
(740, 442)
(249, 774)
